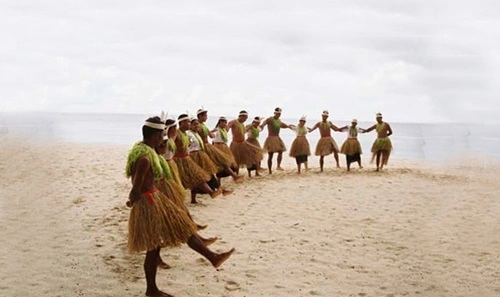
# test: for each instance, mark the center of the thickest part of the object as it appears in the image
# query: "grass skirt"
(351, 147)
(175, 172)
(274, 144)
(254, 141)
(172, 191)
(246, 154)
(157, 224)
(383, 145)
(191, 174)
(203, 160)
(221, 159)
(300, 147)
(326, 146)
(226, 151)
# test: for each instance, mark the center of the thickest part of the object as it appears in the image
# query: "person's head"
(354, 122)
(162, 147)
(256, 122)
(152, 131)
(171, 127)
(325, 115)
(202, 115)
(184, 122)
(302, 121)
(378, 117)
(242, 116)
(277, 112)
(195, 124)
(221, 123)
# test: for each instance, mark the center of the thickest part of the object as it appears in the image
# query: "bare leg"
(193, 197)
(216, 259)
(321, 162)
(150, 268)
(347, 162)
(207, 241)
(298, 168)
(280, 158)
(162, 264)
(336, 156)
(305, 165)
(359, 163)
(270, 162)
(378, 160)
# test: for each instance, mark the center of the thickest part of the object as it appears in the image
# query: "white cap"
(277, 110)
(325, 113)
(379, 115)
(354, 121)
(201, 110)
(303, 118)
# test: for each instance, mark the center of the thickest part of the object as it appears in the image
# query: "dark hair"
(200, 114)
(182, 116)
(192, 120)
(169, 122)
(221, 119)
(147, 132)
(243, 111)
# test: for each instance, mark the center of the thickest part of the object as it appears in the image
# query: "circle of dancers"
(182, 154)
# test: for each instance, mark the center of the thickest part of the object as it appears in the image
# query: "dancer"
(246, 155)
(273, 143)
(155, 221)
(253, 132)
(382, 146)
(351, 147)
(300, 149)
(326, 144)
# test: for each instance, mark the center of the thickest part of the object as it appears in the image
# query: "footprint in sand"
(232, 286)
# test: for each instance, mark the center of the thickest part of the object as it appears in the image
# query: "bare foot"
(193, 201)
(260, 170)
(226, 192)
(221, 258)
(280, 169)
(157, 293)
(209, 241)
(239, 179)
(163, 265)
(216, 193)
(201, 227)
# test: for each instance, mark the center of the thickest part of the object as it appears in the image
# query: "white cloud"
(413, 60)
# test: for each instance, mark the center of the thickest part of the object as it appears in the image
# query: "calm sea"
(410, 140)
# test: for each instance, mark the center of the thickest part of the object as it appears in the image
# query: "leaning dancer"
(200, 157)
(155, 221)
(223, 160)
(246, 155)
(351, 147)
(274, 143)
(175, 192)
(193, 177)
(326, 144)
(382, 146)
(171, 128)
(253, 132)
(300, 149)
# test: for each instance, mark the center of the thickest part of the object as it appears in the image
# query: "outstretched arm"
(142, 167)
(264, 123)
(334, 128)
(314, 127)
(343, 129)
(283, 125)
(370, 129)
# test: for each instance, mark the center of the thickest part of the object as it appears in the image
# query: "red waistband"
(149, 195)
(183, 156)
(326, 136)
(240, 141)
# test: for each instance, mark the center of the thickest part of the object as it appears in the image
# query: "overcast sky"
(414, 61)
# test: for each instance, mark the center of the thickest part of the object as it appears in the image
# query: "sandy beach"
(414, 229)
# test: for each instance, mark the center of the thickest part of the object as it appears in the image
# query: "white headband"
(379, 115)
(184, 118)
(354, 121)
(243, 113)
(154, 125)
(200, 111)
(170, 126)
(325, 113)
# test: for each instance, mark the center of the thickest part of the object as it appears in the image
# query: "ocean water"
(410, 140)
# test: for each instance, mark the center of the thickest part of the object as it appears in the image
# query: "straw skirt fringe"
(326, 146)
(157, 224)
(225, 149)
(255, 142)
(274, 144)
(221, 159)
(382, 145)
(172, 191)
(175, 172)
(300, 147)
(246, 154)
(351, 147)
(190, 173)
(203, 160)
